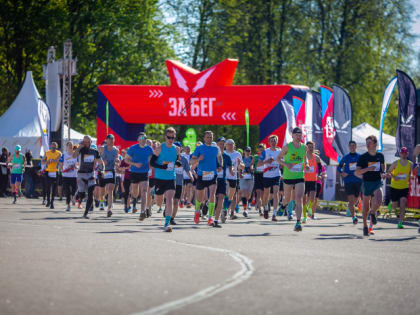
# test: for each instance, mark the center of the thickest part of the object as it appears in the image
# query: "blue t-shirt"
(209, 163)
(167, 156)
(227, 162)
(349, 161)
(140, 155)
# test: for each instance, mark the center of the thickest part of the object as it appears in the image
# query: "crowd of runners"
(216, 178)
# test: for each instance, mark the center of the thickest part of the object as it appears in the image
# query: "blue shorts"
(269, 182)
(369, 188)
(15, 178)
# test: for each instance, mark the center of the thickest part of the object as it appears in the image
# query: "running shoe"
(79, 205)
(285, 213)
(355, 220)
(142, 216)
(109, 213)
(189, 205)
(365, 231)
(400, 225)
(126, 209)
(197, 217)
(313, 217)
(160, 210)
(298, 227)
(245, 214)
(373, 219)
(102, 206)
(216, 224)
(148, 213)
(134, 210)
(52, 206)
(85, 217)
(273, 218)
(96, 203)
(280, 212)
(181, 205)
(172, 222)
(266, 214)
(304, 220)
(224, 216)
(237, 208)
(210, 222)
(260, 212)
(290, 217)
(167, 229)
(371, 231)
(46, 205)
(233, 216)
(68, 208)
(310, 211)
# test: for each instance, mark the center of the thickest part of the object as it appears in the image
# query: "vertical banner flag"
(107, 117)
(299, 109)
(385, 104)
(327, 122)
(247, 126)
(342, 114)
(317, 134)
(308, 116)
(44, 123)
(291, 121)
(406, 128)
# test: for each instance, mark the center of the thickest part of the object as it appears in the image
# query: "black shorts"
(187, 181)
(258, 181)
(104, 181)
(318, 189)
(194, 182)
(281, 187)
(353, 189)
(163, 185)
(136, 178)
(271, 181)
(152, 182)
(310, 186)
(293, 182)
(59, 179)
(397, 194)
(201, 184)
(178, 192)
(221, 187)
(232, 183)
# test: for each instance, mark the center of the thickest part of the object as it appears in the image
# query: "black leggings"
(51, 188)
(69, 187)
(126, 191)
(89, 200)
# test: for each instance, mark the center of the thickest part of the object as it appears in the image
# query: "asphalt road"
(54, 262)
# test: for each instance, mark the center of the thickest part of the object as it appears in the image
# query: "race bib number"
(297, 168)
(247, 176)
(150, 173)
(260, 168)
(376, 164)
(402, 176)
(208, 175)
(88, 158)
(108, 175)
(52, 174)
(15, 166)
(220, 174)
(170, 166)
(352, 166)
(179, 170)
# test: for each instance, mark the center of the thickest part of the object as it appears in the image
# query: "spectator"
(3, 172)
(29, 176)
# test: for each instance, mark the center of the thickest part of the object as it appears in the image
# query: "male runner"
(68, 167)
(163, 160)
(88, 158)
(295, 159)
(258, 178)
(209, 160)
(352, 183)
(138, 157)
(110, 159)
(187, 192)
(371, 165)
(51, 158)
(246, 181)
(221, 182)
(271, 175)
(232, 176)
(400, 174)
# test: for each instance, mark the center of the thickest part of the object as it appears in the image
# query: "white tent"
(361, 132)
(75, 136)
(26, 121)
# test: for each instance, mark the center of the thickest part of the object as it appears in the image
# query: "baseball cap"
(404, 150)
(247, 148)
(18, 148)
(230, 141)
(221, 139)
(110, 136)
(296, 130)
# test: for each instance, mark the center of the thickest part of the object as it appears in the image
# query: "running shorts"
(370, 187)
(310, 186)
(201, 184)
(136, 178)
(178, 192)
(163, 185)
(397, 194)
(271, 181)
(352, 189)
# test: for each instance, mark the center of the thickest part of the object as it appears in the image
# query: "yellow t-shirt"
(403, 173)
(52, 167)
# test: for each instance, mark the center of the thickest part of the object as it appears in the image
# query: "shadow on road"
(338, 237)
(401, 239)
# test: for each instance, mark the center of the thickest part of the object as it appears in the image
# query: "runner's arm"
(280, 156)
(153, 163)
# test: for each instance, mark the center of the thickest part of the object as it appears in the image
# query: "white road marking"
(242, 275)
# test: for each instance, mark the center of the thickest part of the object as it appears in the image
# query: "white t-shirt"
(69, 163)
(273, 169)
(234, 156)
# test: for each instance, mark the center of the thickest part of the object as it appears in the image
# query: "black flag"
(342, 115)
(317, 136)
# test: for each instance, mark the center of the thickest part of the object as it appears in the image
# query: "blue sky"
(416, 24)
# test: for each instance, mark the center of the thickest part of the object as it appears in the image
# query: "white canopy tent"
(26, 122)
(361, 132)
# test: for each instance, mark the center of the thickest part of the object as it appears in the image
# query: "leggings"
(89, 201)
(69, 187)
(126, 191)
(51, 188)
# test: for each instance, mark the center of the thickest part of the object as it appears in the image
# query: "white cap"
(230, 141)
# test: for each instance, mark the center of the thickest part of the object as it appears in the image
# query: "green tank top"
(294, 156)
(17, 164)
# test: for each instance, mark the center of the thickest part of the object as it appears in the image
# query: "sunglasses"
(170, 138)
(143, 138)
